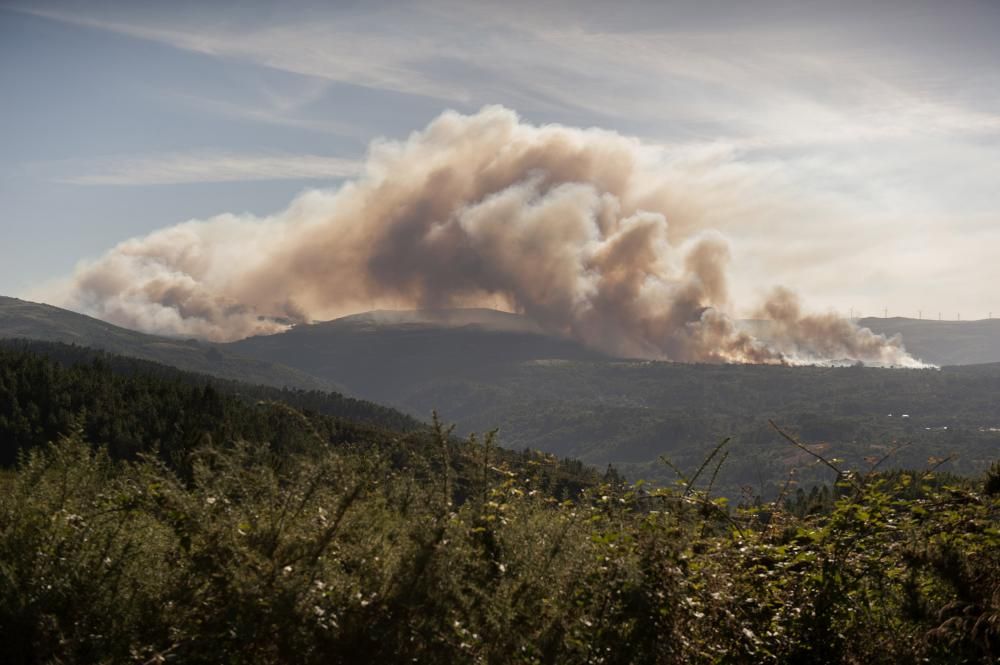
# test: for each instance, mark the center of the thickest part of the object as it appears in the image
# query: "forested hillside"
(484, 369)
(341, 554)
(178, 519)
(548, 394)
(60, 369)
(630, 414)
(30, 320)
(135, 407)
(384, 355)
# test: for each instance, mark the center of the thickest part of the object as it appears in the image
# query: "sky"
(860, 140)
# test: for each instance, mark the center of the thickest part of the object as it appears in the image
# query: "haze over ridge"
(589, 233)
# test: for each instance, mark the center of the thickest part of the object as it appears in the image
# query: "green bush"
(343, 555)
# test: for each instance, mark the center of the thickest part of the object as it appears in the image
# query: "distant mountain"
(386, 355)
(484, 369)
(480, 317)
(944, 342)
(29, 320)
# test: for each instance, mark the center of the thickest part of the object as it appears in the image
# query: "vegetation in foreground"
(336, 555)
(369, 547)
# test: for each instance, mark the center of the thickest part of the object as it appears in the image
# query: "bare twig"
(895, 449)
(715, 473)
(934, 468)
(673, 467)
(784, 489)
(801, 446)
(715, 451)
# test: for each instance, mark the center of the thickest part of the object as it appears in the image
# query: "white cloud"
(280, 115)
(759, 85)
(886, 146)
(348, 51)
(181, 168)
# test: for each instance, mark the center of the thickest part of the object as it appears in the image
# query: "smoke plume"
(589, 233)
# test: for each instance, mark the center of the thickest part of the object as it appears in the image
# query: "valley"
(546, 393)
(484, 370)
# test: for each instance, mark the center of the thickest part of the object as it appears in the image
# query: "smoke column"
(589, 233)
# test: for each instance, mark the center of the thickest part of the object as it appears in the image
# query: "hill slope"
(356, 544)
(486, 369)
(368, 353)
(29, 320)
(551, 394)
(48, 390)
(629, 414)
(944, 342)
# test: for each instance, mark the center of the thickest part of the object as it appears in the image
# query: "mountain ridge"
(363, 352)
(40, 321)
(456, 317)
(943, 343)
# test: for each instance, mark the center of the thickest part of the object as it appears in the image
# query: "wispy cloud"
(881, 123)
(184, 168)
(760, 85)
(270, 115)
(348, 51)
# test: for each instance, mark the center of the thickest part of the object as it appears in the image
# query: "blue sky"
(871, 129)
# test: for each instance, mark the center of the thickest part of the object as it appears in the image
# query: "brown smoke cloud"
(588, 233)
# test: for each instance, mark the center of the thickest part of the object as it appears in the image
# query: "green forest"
(149, 515)
(550, 393)
(631, 413)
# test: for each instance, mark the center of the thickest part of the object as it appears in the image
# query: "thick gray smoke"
(587, 232)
